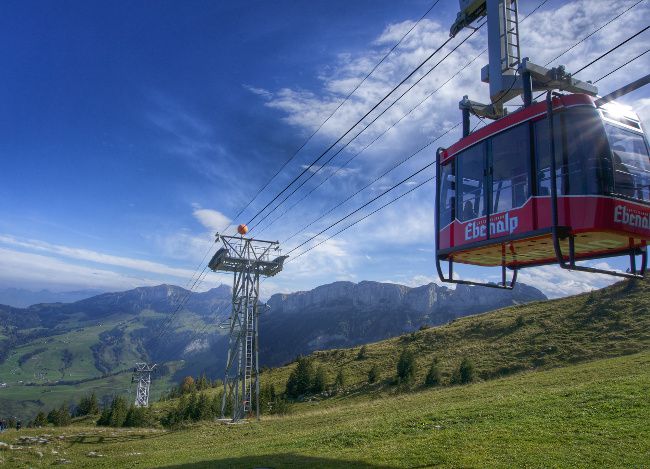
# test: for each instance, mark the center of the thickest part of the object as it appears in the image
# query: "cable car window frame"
(582, 167)
(645, 179)
(447, 204)
(520, 155)
(462, 160)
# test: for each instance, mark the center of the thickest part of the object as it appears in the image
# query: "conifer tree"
(406, 367)
(301, 378)
(433, 377)
(118, 412)
(319, 384)
(40, 420)
(203, 409)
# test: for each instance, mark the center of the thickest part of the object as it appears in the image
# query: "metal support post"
(527, 83)
(142, 375)
(466, 127)
(248, 259)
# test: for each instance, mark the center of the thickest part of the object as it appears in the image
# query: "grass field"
(589, 415)
(610, 322)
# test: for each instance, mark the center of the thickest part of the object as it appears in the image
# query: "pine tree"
(40, 420)
(319, 383)
(433, 377)
(363, 353)
(466, 371)
(190, 411)
(202, 383)
(216, 405)
(203, 409)
(63, 417)
(301, 378)
(104, 418)
(88, 405)
(267, 398)
(406, 367)
(52, 416)
(118, 412)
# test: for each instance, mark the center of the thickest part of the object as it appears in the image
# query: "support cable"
(385, 173)
(605, 54)
(593, 32)
(332, 174)
(181, 303)
(339, 106)
(371, 122)
(362, 218)
(390, 189)
(308, 168)
(349, 160)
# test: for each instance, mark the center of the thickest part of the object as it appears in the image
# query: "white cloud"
(97, 257)
(211, 219)
(23, 269)
(557, 282)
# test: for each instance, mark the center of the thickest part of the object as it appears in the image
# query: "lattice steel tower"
(142, 375)
(248, 259)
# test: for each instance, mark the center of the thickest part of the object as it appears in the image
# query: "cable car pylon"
(556, 182)
(248, 259)
(142, 376)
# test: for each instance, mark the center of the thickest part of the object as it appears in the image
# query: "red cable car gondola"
(498, 204)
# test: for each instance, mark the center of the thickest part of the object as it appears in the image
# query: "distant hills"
(22, 298)
(344, 314)
(71, 344)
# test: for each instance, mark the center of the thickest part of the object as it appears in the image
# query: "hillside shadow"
(277, 461)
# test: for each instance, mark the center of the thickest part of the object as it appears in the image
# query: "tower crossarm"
(508, 75)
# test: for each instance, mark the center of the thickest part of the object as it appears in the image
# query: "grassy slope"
(587, 415)
(46, 367)
(607, 323)
(610, 322)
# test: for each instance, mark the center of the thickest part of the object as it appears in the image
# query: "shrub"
(59, 417)
(465, 372)
(88, 405)
(188, 385)
(40, 420)
(373, 374)
(406, 367)
(363, 353)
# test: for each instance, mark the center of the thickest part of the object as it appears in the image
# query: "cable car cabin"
(498, 203)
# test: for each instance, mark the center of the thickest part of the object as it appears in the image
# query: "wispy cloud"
(96, 257)
(211, 219)
(38, 271)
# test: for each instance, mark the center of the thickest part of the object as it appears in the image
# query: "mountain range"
(98, 339)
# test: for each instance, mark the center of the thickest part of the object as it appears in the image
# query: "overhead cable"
(341, 103)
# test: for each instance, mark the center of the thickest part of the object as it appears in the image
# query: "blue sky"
(131, 131)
